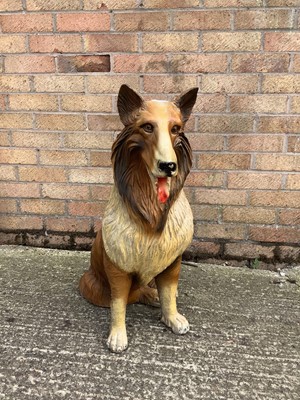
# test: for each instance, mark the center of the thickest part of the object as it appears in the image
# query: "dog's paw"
(178, 323)
(117, 340)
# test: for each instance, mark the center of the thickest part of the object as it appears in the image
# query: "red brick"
(7, 172)
(100, 159)
(289, 254)
(282, 3)
(233, 3)
(91, 175)
(100, 192)
(83, 63)
(2, 102)
(219, 196)
(17, 156)
(87, 103)
(16, 121)
(19, 222)
(289, 217)
(205, 179)
(275, 199)
(205, 213)
(60, 122)
(263, 19)
(226, 123)
(62, 224)
(29, 64)
(33, 102)
(267, 62)
(282, 41)
(198, 63)
(11, 5)
(140, 63)
(9, 189)
(38, 206)
(211, 103)
(281, 84)
(249, 250)
(52, 5)
(83, 22)
(201, 250)
(261, 104)
(8, 206)
(217, 231)
(35, 139)
(91, 140)
(224, 161)
(141, 21)
(109, 122)
(167, 84)
(26, 22)
(229, 83)
(12, 83)
(293, 182)
(55, 44)
(253, 215)
(4, 139)
(12, 44)
(115, 42)
(295, 105)
(170, 3)
(59, 84)
(279, 124)
(296, 63)
(275, 234)
(62, 157)
(61, 191)
(108, 5)
(86, 209)
(111, 83)
(165, 42)
(42, 174)
(252, 180)
(231, 41)
(258, 143)
(201, 20)
(294, 144)
(275, 162)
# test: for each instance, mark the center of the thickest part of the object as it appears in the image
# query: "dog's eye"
(175, 129)
(148, 128)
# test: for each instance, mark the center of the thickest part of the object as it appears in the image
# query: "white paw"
(178, 323)
(117, 340)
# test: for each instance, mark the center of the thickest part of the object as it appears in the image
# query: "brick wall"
(62, 62)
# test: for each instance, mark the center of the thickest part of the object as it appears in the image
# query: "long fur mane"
(133, 181)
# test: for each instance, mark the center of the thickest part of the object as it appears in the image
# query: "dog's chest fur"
(134, 251)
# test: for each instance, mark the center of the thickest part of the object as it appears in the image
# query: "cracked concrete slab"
(243, 344)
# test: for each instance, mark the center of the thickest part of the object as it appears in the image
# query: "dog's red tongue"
(162, 190)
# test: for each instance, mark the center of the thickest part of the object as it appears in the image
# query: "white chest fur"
(134, 251)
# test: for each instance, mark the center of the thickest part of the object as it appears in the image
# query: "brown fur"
(135, 220)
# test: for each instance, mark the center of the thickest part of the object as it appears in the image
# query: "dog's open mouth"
(163, 189)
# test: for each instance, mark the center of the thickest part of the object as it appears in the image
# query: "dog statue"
(148, 221)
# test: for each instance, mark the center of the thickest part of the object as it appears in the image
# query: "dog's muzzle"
(167, 167)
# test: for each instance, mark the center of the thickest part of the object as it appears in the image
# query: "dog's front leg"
(120, 284)
(167, 283)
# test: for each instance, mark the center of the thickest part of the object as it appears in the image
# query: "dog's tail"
(94, 290)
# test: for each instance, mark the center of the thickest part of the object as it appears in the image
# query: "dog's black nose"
(167, 167)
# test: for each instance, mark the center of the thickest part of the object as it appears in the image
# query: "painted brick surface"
(62, 63)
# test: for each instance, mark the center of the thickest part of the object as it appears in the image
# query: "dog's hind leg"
(93, 284)
(167, 283)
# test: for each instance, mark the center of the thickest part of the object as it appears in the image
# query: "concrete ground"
(244, 341)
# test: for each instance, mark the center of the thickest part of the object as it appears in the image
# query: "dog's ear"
(185, 102)
(128, 103)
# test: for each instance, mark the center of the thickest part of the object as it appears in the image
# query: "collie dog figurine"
(148, 221)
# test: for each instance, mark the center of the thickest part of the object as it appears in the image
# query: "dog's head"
(151, 156)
